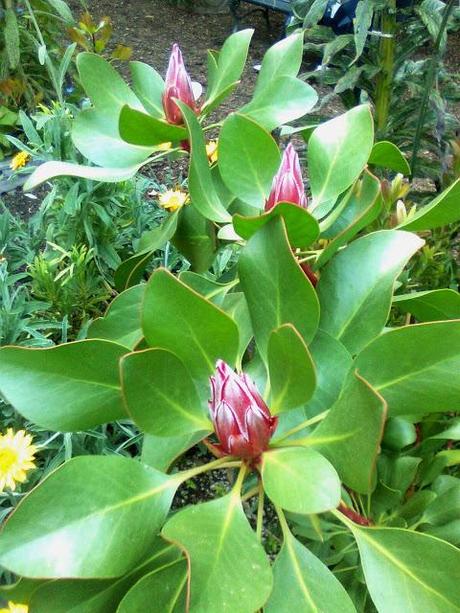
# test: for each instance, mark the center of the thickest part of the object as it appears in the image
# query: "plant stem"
(429, 80)
(301, 426)
(385, 75)
(260, 511)
(239, 480)
(250, 493)
(282, 520)
(226, 462)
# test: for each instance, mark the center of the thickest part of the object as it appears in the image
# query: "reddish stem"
(354, 516)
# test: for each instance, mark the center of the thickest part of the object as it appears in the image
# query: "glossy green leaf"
(387, 155)
(160, 395)
(229, 64)
(203, 193)
(291, 370)
(131, 270)
(445, 508)
(415, 368)
(441, 211)
(351, 434)
(178, 319)
(433, 305)
(283, 100)
(148, 85)
(302, 228)
(362, 206)
(138, 128)
(332, 364)
(49, 170)
(104, 86)
(98, 596)
(161, 451)
(303, 583)
(282, 60)
(167, 585)
(399, 433)
(211, 290)
(356, 287)
(95, 134)
(408, 571)
(300, 480)
(229, 568)
(195, 238)
(70, 387)
(248, 159)
(276, 289)
(122, 320)
(50, 535)
(338, 151)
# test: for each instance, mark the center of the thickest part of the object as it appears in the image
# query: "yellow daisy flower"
(19, 160)
(173, 199)
(15, 608)
(16, 458)
(211, 151)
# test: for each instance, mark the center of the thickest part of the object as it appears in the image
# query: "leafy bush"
(338, 420)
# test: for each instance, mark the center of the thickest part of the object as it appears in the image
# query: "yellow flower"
(15, 608)
(211, 151)
(164, 147)
(16, 457)
(173, 199)
(19, 160)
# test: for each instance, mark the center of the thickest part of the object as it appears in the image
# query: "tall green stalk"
(429, 81)
(385, 76)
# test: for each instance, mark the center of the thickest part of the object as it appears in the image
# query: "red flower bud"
(241, 418)
(177, 85)
(288, 184)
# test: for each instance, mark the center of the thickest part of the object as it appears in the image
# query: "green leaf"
(211, 290)
(138, 128)
(203, 194)
(195, 238)
(161, 451)
(445, 508)
(338, 151)
(179, 320)
(302, 228)
(235, 305)
(169, 586)
(160, 395)
(98, 596)
(95, 134)
(356, 287)
(276, 289)
(248, 159)
(433, 305)
(122, 320)
(332, 364)
(104, 86)
(362, 24)
(230, 572)
(351, 434)
(49, 170)
(281, 101)
(103, 500)
(408, 571)
(282, 60)
(131, 270)
(66, 388)
(148, 85)
(362, 206)
(300, 480)
(291, 369)
(387, 155)
(415, 368)
(229, 65)
(442, 211)
(304, 583)
(11, 39)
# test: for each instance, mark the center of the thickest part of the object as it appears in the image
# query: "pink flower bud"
(288, 184)
(241, 418)
(177, 85)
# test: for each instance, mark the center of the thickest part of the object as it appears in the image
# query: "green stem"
(283, 521)
(226, 462)
(260, 511)
(385, 75)
(239, 480)
(301, 426)
(429, 80)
